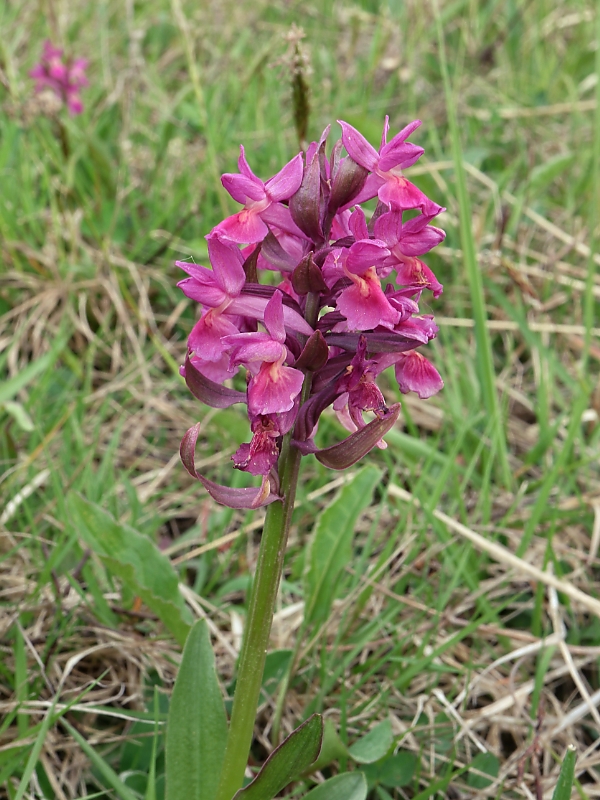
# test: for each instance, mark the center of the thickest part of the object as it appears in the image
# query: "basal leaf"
(197, 723)
(348, 786)
(483, 764)
(136, 560)
(566, 778)
(293, 757)
(374, 745)
(330, 548)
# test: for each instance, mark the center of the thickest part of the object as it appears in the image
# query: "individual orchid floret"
(259, 457)
(65, 79)
(363, 303)
(386, 179)
(359, 392)
(406, 240)
(273, 387)
(262, 201)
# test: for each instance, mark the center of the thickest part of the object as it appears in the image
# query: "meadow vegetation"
(461, 623)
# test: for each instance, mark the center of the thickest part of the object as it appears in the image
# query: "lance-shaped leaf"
(293, 757)
(357, 445)
(248, 497)
(197, 723)
(209, 392)
(136, 560)
(330, 547)
(564, 785)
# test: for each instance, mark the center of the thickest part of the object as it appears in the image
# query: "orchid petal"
(286, 182)
(358, 147)
(415, 373)
(242, 188)
(358, 224)
(245, 227)
(251, 306)
(274, 317)
(227, 262)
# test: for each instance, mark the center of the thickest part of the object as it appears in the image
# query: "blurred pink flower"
(65, 79)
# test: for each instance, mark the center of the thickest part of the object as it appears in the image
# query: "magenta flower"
(261, 201)
(65, 79)
(386, 179)
(346, 306)
(273, 387)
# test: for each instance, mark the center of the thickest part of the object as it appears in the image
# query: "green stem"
(262, 606)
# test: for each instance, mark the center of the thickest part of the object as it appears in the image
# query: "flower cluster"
(338, 306)
(64, 79)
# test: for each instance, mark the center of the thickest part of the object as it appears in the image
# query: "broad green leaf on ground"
(566, 778)
(374, 745)
(349, 786)
(330, 548)
(483, 764)
(398, 770)
(332, 747)
(135, 560)
(293, 757)
(197, 723)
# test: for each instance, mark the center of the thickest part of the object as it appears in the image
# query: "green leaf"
(197, 723)
(398, 770)
(293, 757)
(486, 763)
(11, 387)
(349, 786)
(20, 416)
(332, 748)
(330, 548)
(135, 560)
(374, 745)
(544, 174)
(566, 778)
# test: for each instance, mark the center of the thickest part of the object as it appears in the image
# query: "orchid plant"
(64, 79)
(314, 299)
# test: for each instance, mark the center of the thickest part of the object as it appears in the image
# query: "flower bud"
(307, 277)
(347, 180)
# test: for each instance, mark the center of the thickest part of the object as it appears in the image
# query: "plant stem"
(262, 605)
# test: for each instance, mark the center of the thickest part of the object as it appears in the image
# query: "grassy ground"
(467, 615)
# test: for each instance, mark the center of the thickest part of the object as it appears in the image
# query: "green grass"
(424, 630)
